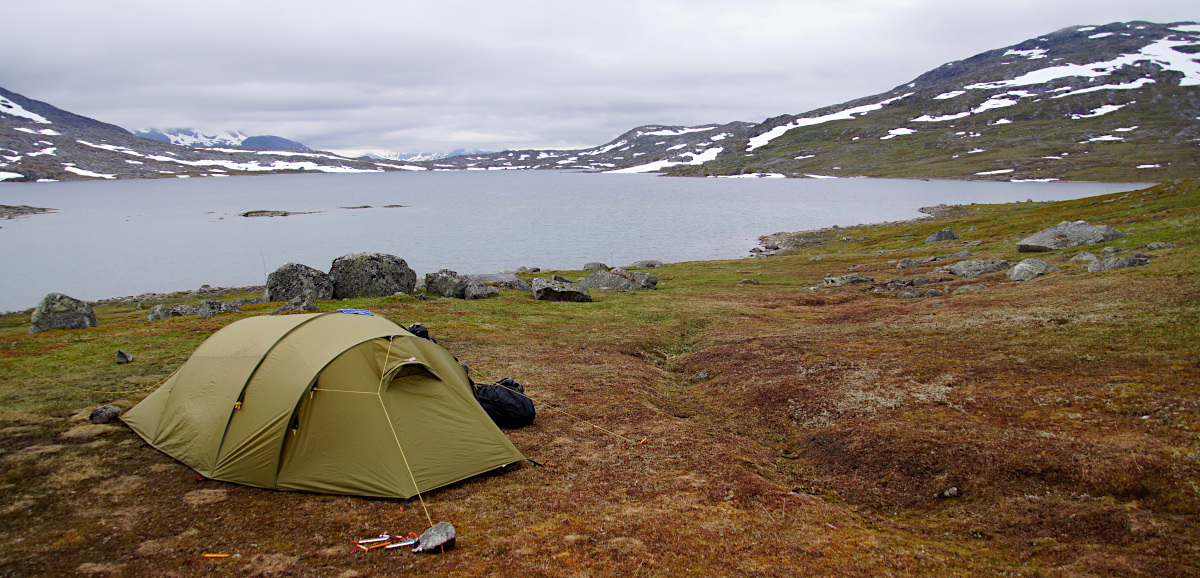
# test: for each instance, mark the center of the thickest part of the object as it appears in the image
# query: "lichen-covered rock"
(168, 311)
(501, 280)
(976, 267)
(104, 414)
(370, 275)
(1117, 263)
(480, 291)
(555, 290)
(1029, 268)
(831, 281)
(618, 279)
(907, 264)
(287, 282)
(210, 307)
(944, 235)
(649, 263)
(1067, 234)
(594, 266)
(1084, 256)
(446, 283)
(247, 301)
(1159, 245)
(968, 288)
(306, 301)
(58, 311)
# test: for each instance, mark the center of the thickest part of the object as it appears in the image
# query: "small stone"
(744, 281)
(701, 375)
(944, 235)
(1030, 268)
(968, 288)
(123, 357)
(1111, 250)
(594, 266)
(438, 538)
(104, 414)
(1084, 256)
(907, 264)
(1159, 245)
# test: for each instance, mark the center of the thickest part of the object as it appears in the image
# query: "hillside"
(1113, 103)
(740, 420)
(40, 142)
(1117, 103)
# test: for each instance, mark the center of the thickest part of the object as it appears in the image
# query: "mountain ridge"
(1114, 102)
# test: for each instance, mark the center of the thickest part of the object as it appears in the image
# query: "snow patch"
(1154, 166)
(5, 176)
(974, 151)
(45, 151)
(696, 159)
(402, 167)
(676, 132)
(1187, 28)
(1105, 138)
(1102, 35)
(1045, 180)
(898, 132)
(1125, 128)
(71, 168)
(13, 109)
(1085, 29)
(717, 137)
(996, 172)
(45, 131)
(1126, 86)
(1002, 121)
(1032, 54)
(753, 176)
(848, 114)
(927, 118)
(805, 157)
(1161, 52)
(951, 94)
(820, 176)
(677, 147)
(1102, 110)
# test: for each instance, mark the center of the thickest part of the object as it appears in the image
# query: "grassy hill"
(786, 430)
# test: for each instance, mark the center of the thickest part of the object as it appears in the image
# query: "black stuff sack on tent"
(505, 402)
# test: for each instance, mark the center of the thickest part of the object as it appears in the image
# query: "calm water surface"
(115, 238)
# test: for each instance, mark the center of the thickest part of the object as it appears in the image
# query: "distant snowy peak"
(190, 137)
(418, 157)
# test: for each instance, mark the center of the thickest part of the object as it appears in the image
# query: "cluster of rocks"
(1064, 235)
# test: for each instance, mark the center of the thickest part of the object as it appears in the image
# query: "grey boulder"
(446, 283)
(1067, 234)
(306, 301)
(58, 311)
(104, 414)
(288, 281)
(594, 266)
(1029, 268)
(501, 280)
(1084, 256)
(210, 307)
(1136, 260)
(1159, 245)
(168, 311)
(907, 264)
(620, 280)
(943, 235)
(840, 280)
(647, 264)
(554, 290)
(479, 291)
(370, 275)
(976, 267)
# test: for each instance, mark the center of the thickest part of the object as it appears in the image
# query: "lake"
(117, 238)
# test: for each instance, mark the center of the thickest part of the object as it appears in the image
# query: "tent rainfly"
(323, 402)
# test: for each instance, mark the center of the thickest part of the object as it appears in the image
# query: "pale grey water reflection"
(116, 238)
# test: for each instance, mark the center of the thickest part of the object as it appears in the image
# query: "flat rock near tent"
(58, 311)
(1067, 234)
(370, 275)
(210, 307)
(292, 279)
(554, 290)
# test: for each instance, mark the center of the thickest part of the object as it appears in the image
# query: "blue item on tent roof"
(356, 311)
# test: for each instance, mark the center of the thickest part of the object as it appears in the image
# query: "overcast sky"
(357, 76)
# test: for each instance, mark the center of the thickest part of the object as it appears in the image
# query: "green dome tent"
(323, 402)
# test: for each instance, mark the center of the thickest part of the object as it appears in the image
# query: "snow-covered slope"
(1113, 102)
(229, 138)
(40, 142)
